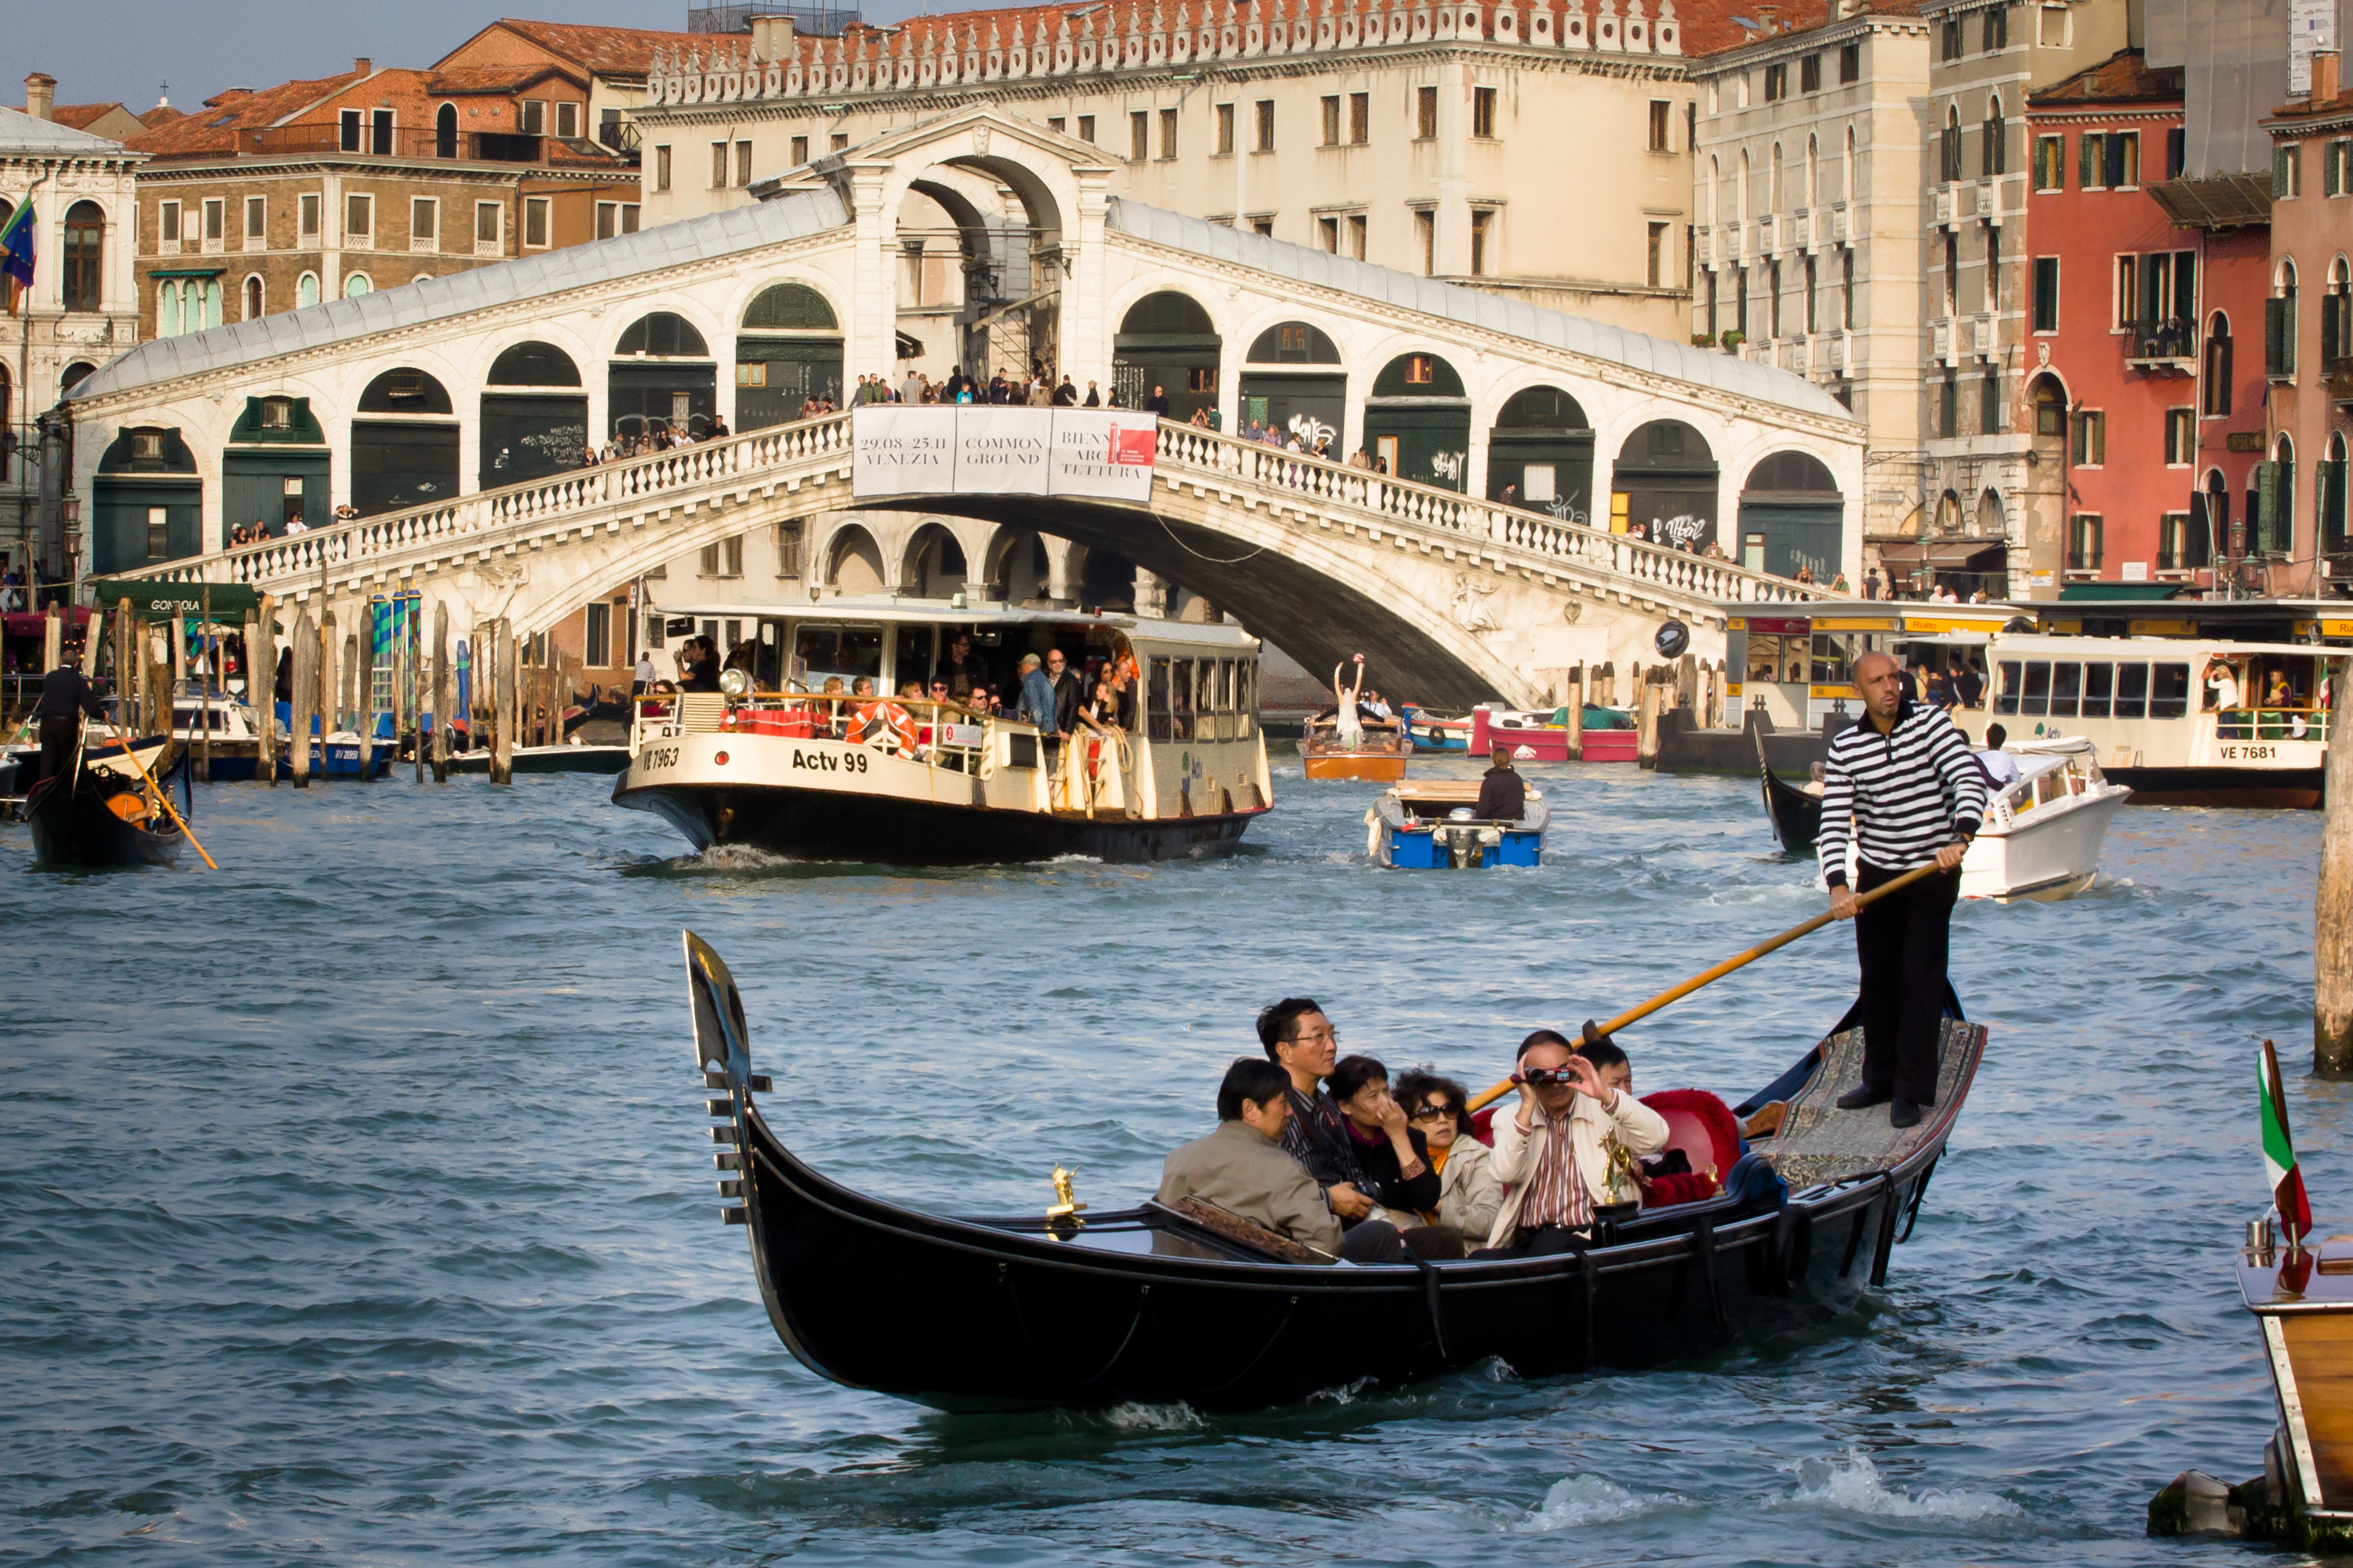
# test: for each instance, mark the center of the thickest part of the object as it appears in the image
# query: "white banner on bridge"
(976, 450)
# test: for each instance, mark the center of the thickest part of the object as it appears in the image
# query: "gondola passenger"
(1393, 1154)
(1298, 1038)
(1241, 1167)
(1439, 1109)
(1553, 1154)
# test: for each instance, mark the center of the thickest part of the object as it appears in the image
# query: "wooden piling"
(1653, 696)
(261, 686)
(2332, 944)
(306, 654)
(331, 708)
(205, 702)
(347, 706)
(412, 648)
(125, 686)
(1573, 707)
(53, 641)
(363, 686)
(502, 719)
(441, 691)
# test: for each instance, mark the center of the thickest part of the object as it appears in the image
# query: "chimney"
(2323, 74)
(362, 66)
(41, 94)
(771, 38)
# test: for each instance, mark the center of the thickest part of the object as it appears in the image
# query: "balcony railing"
(472, 146)
(2170, 349)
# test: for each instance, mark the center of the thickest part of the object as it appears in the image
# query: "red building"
(2145, 313)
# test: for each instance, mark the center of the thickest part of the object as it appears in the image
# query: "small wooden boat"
(1158, 1305)
(95, 816)
(1431, 731)
(571, 757)
(1427, 825)
(2042, 834)
(1796, 815)
(1380, 759)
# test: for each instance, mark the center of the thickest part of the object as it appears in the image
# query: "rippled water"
(355, 1204)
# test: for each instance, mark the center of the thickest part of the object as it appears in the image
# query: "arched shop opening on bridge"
(1418, 421)
(662, 377)
(275, 467)
(1663, 486)
(534, 416)
(853, 561)
(404, 443)
(150, 502)
(1792, 517)
(1540, 449)
(934, 567)
(788, 352)
(1293, 382)
(1167, 341)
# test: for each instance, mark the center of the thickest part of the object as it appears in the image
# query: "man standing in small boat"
(66, 696)
(1901, 785)
(1503, 795)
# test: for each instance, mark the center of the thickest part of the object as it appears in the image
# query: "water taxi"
(815, 747)
(2177, 720)
(1429, 825)
(2044, 832)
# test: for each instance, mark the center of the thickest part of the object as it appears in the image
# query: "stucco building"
(2308, 332)
(81, 311)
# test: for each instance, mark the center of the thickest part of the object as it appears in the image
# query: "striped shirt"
(1557, 1194)
(1900, 796)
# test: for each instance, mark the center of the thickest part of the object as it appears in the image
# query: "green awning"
(152, 601)
(186, 271)
(2122, 592)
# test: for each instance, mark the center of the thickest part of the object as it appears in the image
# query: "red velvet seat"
(1704, 1129)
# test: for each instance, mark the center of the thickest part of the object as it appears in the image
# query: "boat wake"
(1581, 1501)
(1854, 1484)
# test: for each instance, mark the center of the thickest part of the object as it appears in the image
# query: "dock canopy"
(152, 601)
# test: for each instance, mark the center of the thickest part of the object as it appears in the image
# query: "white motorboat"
(2042, 833)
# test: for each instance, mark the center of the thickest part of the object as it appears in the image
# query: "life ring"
(885, 726)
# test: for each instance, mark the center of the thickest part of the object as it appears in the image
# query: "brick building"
(336, 186)
(2144, 397)
(2308, 339)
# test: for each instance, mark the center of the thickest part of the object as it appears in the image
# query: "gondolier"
(1900, 786)
(66, 696)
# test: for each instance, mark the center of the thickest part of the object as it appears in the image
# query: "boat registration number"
(661, 757)
(850, 762)
(2249, 754)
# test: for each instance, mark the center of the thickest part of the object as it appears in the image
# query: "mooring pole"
(441, 691)
(261, 685)
(305, 696)
(2332, 913)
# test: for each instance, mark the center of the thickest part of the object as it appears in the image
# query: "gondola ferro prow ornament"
(1067, 1206)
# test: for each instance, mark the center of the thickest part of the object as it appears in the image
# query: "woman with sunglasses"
(1468, 1193)
(1393, 1155)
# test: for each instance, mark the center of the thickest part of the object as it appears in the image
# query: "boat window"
(2005, 699)
(2035, 699)
(845, 651)
(1158, 725)
(1833, 651)
(2168, 691)
(2051, 786)
(2099, 680)
(2132, 690)
(1225, 686)
(912, 656)
(2066, 689)
(1180, 690)
(1245, 697)
(1767, 653)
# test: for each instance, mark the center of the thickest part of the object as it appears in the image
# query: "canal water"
(355, 1204)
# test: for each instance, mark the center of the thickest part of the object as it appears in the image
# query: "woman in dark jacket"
(1394, 1157)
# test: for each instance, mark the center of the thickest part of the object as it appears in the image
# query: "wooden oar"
(1677, 993)
(157, 796)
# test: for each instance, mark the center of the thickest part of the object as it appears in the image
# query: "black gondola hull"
(74, 828)
(1796, 816)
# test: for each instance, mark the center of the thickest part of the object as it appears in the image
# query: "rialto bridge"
(452, 414)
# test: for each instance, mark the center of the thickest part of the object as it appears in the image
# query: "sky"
(109, 51)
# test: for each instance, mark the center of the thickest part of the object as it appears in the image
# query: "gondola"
(1151, 1305)
(75, 822)
(1796, 817)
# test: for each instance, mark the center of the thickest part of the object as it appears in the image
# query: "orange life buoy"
(885, 725)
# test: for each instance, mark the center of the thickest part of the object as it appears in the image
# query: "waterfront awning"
(2139, 593)
(36, 623)
(161, 601)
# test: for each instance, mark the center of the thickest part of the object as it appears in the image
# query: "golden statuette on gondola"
(1066, 1206)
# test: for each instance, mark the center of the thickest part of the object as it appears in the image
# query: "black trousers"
(1372, 1241)
(1546, 1241)
(58, 734)
(1902, 941)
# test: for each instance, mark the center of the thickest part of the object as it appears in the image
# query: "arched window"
(167, 309)
(445, 132)
(1846, 169)
(2330, 484)
(405, 391)
(1994, 157)
(2210, 511)
(1813, 170)
(1740, 192)
(211, 316)
(2275, 500)
(1294, 343)
(2279, 323)
(73, 375)
(2217, 398)
(306, 289)
(1710, 194)
(1773, 190)
(85, 258)
(663, 334)
(1165, 313)
(253, 297)
(790, 307)
(1949, 153)
(357, 284)
(2337, 314)
(534, 364)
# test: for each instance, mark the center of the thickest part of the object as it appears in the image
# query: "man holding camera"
(1552, 1154)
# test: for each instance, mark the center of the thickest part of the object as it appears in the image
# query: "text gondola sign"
(982, 450)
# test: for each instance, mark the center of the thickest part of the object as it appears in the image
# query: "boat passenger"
(1388, 1146)
(1550, 1154)
(962, 669)
(1349, 733)
(1101, 713)
(2001, 769)
(1468, 1196)
(1036, 704)
(1503, 796)
(643, 677)
(1813, 785)
(1241, 1167)
(1067, 693)
(1298, 1038)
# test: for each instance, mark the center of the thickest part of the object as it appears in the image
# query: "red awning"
(36, 624)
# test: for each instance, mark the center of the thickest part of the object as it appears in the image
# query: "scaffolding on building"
(733, 16)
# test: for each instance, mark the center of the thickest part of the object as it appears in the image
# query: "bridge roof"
(1475, 308)
(714, 235)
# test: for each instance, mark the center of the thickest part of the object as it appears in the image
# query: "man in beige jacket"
(1243, 1169)
(1551, 1155)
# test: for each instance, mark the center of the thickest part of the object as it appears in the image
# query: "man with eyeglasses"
(1298, 1038)
(1553, 1154)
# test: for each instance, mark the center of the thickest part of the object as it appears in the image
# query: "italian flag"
(2279, 1155)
